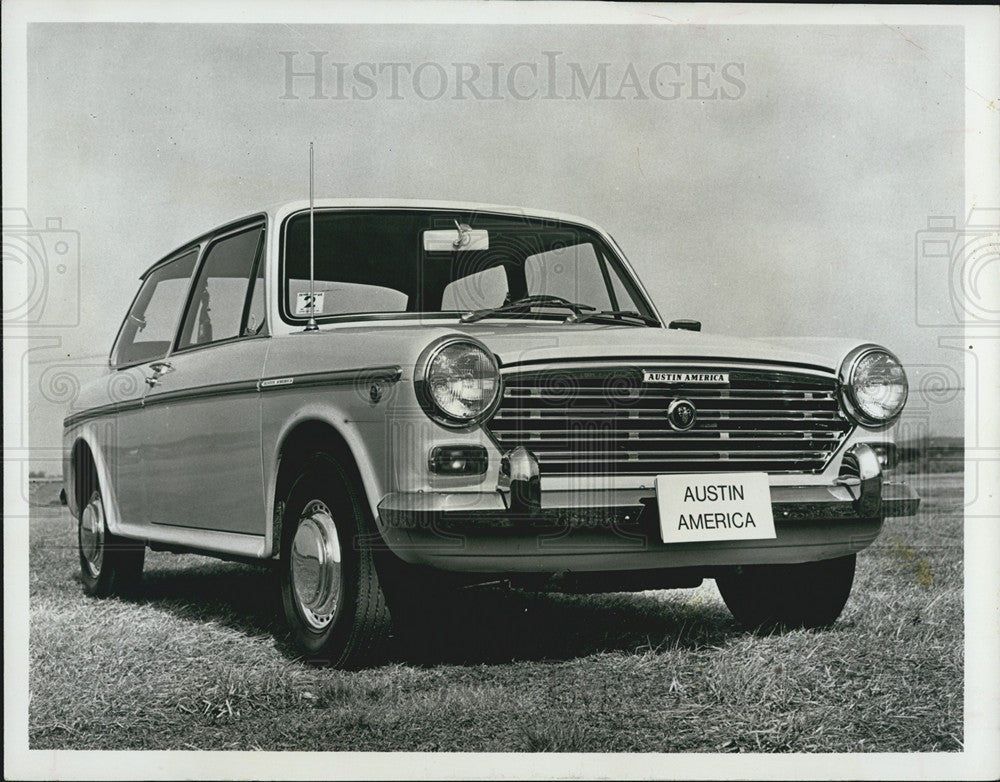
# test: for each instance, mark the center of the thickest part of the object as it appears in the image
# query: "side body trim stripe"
(391, 374)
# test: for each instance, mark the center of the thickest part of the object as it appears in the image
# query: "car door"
(143, 342)
(202, 464)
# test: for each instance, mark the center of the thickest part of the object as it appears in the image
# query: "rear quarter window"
(152, 320)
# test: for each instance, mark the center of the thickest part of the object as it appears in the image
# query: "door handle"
(159, 368)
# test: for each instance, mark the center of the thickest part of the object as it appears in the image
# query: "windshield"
(386, 262)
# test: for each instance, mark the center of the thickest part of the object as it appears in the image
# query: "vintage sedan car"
(375, 397)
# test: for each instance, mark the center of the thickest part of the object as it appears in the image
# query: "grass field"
(202, 661)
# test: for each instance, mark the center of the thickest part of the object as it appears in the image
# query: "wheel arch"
(302, 439)
(83, 476)
(88, 470)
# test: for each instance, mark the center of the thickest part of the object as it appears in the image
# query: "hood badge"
(681, 415)
(717, 378)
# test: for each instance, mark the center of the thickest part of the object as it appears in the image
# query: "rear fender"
(89, 436)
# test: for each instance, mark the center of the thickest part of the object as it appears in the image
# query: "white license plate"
(718, 506)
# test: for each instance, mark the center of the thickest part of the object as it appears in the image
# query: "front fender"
(363, 437)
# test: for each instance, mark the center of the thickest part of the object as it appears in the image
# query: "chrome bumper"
(468, 512)
(519, 528)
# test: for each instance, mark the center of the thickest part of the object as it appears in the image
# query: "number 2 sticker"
(309, 303)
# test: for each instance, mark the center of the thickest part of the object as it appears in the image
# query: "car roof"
(279, 211)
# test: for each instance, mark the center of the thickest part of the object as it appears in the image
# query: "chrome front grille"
(599, 421)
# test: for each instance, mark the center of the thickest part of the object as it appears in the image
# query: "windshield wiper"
(538, 300)
(580, 317)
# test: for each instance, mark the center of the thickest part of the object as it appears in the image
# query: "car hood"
(517, 343)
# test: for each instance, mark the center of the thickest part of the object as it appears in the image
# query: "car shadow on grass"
(470, 626)
(242, 597)
(495, 625)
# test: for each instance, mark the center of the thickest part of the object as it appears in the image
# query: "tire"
(769, 597)
(109, 564)
(336, 610)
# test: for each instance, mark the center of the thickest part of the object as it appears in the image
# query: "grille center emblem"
(681, 415)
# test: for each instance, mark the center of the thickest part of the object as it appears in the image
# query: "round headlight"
(874, 386)
(458, 381)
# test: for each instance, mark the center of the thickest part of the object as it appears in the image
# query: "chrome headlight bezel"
(424, 392)
(848, 392)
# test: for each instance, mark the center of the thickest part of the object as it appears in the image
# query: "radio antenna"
(311, 323)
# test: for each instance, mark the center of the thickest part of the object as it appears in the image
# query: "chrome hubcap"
(92, 535)
(315, 565)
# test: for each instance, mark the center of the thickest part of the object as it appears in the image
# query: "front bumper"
(522, 530)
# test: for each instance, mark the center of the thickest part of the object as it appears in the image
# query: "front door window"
(218, 308)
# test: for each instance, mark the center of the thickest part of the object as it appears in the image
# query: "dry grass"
(202, 661)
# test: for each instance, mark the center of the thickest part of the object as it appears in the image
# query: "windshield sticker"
(309, 303)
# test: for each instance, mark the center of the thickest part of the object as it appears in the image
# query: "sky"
(768, 181)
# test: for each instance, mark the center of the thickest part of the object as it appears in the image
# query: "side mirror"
(687, 325)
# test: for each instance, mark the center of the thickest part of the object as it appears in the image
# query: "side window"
(219, 297)
(151, 322)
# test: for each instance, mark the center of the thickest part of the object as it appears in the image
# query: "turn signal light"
(458, 460)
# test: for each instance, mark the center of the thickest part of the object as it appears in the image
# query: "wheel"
(810, 594)
(330, 589)
(109, 564)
